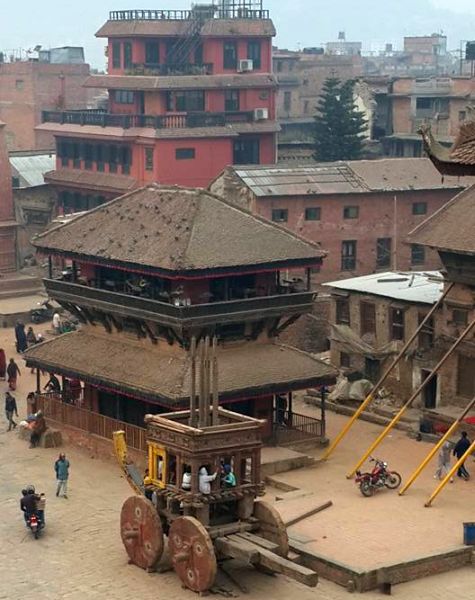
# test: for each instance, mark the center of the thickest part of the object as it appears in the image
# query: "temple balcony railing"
(291, 428)
(171, 121)
(231, 12)
(158, 69)
(180, 313)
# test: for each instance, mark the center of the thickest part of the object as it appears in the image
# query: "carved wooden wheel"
(192, 554)
(271, 526)
(141, 532)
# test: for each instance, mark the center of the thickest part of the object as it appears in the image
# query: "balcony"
(154, 69)
(100, 118)
(126, 305)
(208, 12)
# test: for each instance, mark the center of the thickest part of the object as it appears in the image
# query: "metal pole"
(445, 437)
(385, 375)
(215, 382)
(449, 475)
(398, 416)
(193, 382)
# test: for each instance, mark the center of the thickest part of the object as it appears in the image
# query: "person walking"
(3, 364)
(20, 335)
(61, 467)
(443, 466)
(459, 450)
(13, 372)
(10, 409)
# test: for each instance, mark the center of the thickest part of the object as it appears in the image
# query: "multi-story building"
(53, 81)
(157, 268)
(441, 102)
(190, 91)
(360, 211)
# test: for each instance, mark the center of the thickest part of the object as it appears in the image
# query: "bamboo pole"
(439, 444)
(215, 382)
(449, 475)
(193, 382)
(385, 375)
(400, 413)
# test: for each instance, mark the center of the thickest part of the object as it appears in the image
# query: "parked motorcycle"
(378, 478)
(42, 313)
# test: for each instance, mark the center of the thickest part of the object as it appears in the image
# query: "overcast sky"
(299, 23)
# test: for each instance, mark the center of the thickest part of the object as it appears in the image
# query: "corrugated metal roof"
(347, 177)
(424, 287)
(31, 168)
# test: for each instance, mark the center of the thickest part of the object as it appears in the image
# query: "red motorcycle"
(379, 477)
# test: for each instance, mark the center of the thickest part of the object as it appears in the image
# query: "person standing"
(13, 372)
(20, 335)
(31, 337)
(3, 364)
(10, 409)
(61, 467)
(460, 448)
(443, 466)
(56, 323)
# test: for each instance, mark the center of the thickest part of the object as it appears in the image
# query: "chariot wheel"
(192, 554)
(141, 532)
(271, 526)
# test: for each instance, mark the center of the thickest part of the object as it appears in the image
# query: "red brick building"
(27, 88)
(359, 211)
(190, 91)
(7, 219)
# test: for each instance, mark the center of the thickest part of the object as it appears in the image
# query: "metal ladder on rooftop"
(183, 49)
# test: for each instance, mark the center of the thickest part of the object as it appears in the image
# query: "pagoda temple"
(150, 272)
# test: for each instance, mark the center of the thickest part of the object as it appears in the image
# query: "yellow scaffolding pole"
(449, 475)
(400, 413)
(385, 375)
(432, 453)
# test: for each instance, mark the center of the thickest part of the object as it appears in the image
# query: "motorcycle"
(378, 478)
(35, 525)
(44, 312)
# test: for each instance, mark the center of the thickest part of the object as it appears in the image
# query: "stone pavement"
(81, 556)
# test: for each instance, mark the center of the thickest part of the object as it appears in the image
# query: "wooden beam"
(231, 547)
(308, 513)
(257, 540)
(193, 382)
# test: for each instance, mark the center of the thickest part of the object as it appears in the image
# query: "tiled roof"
(168, 27)
(452, 227)
(346, 177)
(91, 180)
(180, 82)
(460, 158)
(154, 373)
(178, 229)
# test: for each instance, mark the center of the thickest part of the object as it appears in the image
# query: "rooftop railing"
(170, 69)
(185, 15)
(174, 121)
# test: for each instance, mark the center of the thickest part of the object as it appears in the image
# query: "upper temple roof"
(178, 229)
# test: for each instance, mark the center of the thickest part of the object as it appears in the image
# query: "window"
(113, 159)
(88, 156)
(125, 159)
(351, 212)
(419, 208)
(280, 215)
(149, 159)
(396, 319)
(15, 182)
(230, 55)
(192, 101)
(123, 97)
(348, 255)
(305, 107)
(383, 252)
(460, 317)
(152, 53)
(368, 318)
(287, 101)
(345, 360)
(19, 84)
(426, 335)
(254, 53)
(231, 100)
(279, 66)
(465, 378)
(418, 254)
(116, 55)
(462, 115)
(184, 153)
(423, 103)
(246, 152)
(342, 311)
(312, 213)
(127, 55)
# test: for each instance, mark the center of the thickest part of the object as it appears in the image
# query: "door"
(429, 393)
(372, 369)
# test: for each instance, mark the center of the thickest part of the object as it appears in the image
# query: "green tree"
(338, 123)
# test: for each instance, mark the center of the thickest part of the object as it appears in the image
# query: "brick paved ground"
(80, 555)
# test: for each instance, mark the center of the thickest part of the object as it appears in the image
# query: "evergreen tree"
(338, 124)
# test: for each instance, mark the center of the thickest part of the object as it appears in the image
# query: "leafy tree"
(338, 123)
